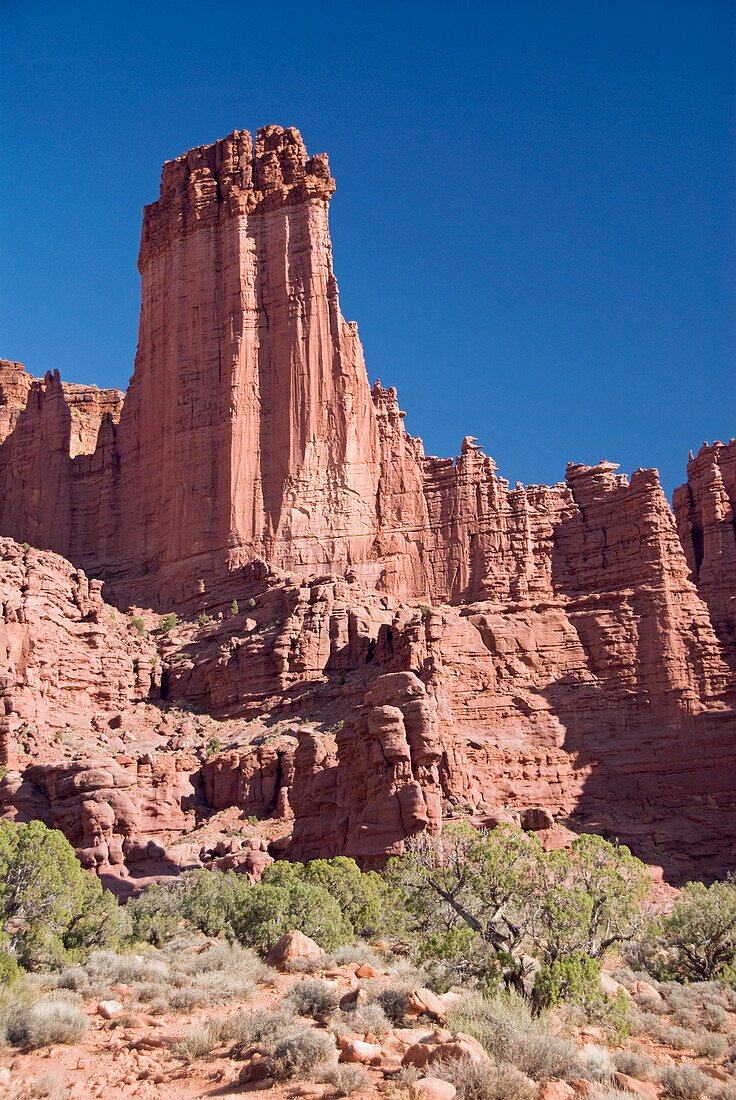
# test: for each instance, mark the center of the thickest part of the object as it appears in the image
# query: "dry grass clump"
(727, 1091)
(345, 1079)
(299, 1052)
(476, 1080)
(199, 1041)
(312, 998)
(635, 1064)
(45, 1023)
(685, 1082)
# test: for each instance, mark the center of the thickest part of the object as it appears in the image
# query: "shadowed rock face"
(578, 658)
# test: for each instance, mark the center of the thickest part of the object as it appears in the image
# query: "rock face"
(532, 653)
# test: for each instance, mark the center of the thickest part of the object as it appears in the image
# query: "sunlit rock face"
(555, 652)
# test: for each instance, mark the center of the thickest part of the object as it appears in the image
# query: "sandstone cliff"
(561, 653)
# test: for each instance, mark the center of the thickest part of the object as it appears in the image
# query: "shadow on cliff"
(666, 788)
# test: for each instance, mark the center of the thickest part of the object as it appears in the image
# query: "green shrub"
(204, 619)
(699, 932)
(361, 895)
(213, 746)
(251, 603)
(51, 908)
(266, 911)
(168, 623)
(575, 978)
(9, 969)
(234, 609)
(156, 914)
(138, 625)
(45, 1024)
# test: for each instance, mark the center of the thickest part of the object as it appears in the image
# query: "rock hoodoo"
(562, 652)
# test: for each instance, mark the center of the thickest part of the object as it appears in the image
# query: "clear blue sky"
(535, 214)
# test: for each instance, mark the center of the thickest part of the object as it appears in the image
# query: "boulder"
(423, 1002)
(432, 1088)
(293, 945)
(646, 1089)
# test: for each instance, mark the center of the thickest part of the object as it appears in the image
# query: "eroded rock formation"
(430, 639)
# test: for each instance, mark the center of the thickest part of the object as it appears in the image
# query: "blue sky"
(535, 208)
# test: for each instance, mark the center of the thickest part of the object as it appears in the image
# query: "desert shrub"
(647, 1002)
(46, 1085)
(168, 623)
(576, 981)
(716, 1018)
(204, 619)
(368, 1019)
(543, 1056)
(476, 1080)
(299, 965)
(575, 977)
(234, 609)
(686, 1017)
(727, 1091)
(127, 968)
(393, 998)
(699, 932)
(596, 1062)
(138, 625)
(685, 1082)
(187, 999)
(199, 1041)
(679, 1038)
(210, 898)
(45, 1023)
(345, 1079)
(261, 1027)
(51, 909)
(312, 998)
(266, 911)
(495, 1021)
(634, 1064)
(709, 1044)
(358, 952)
(298, 1052)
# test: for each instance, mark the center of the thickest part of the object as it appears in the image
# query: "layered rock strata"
(562, 652)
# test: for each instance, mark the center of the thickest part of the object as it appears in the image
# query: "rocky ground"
(205, 1019)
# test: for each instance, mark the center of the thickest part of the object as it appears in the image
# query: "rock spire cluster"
(563, 652)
